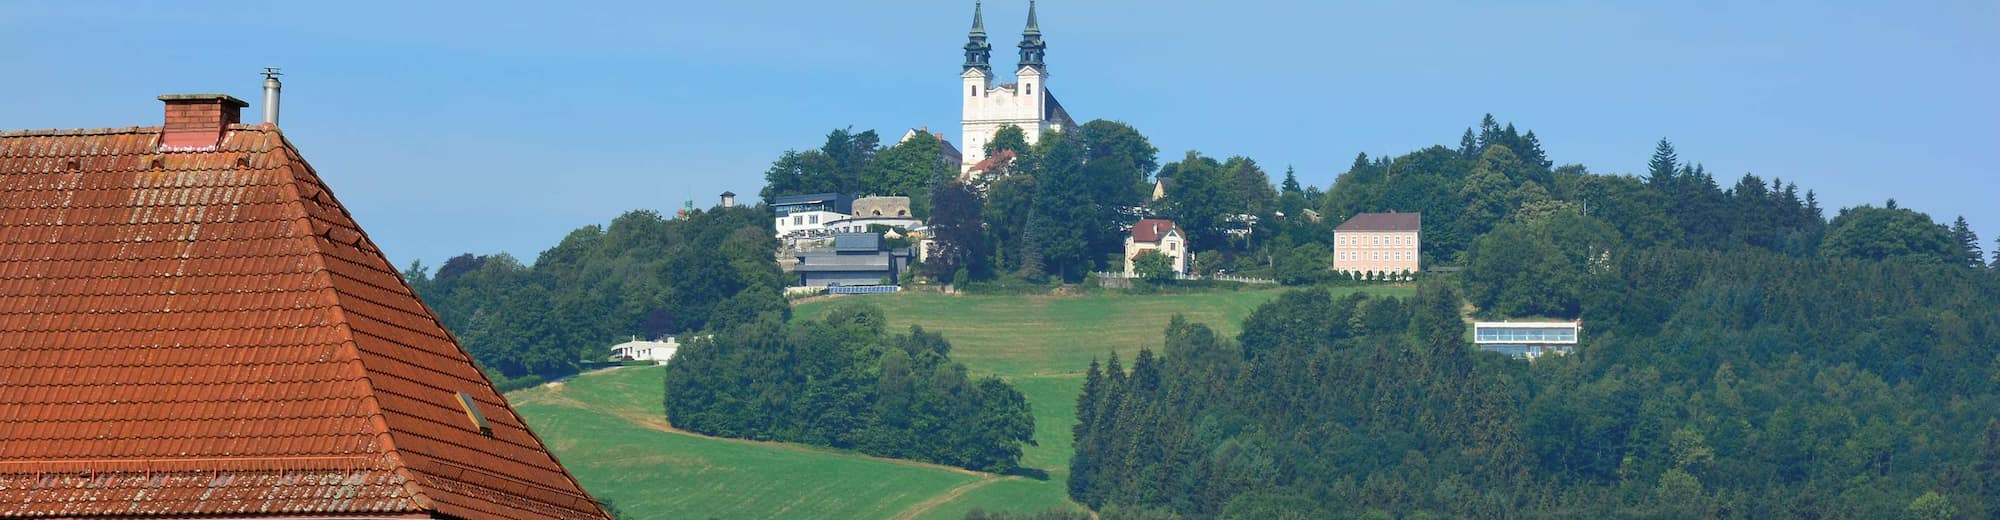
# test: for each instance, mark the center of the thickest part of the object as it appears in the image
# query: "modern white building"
(1025, 103)
(1527, 339)
(657, 352)
(808, 215)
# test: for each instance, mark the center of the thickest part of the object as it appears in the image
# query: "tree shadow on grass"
(1033, 473)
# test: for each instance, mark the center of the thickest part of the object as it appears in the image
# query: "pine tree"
(1489, 131)
(1291, 184)
(1968, 242)
(1531, 151)
(1987, 469)
(1660, 171)
(1468, 147)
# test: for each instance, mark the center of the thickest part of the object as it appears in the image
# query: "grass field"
(608, 427)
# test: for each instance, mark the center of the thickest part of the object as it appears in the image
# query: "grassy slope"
(607, 426)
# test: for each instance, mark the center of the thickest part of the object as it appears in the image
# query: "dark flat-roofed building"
(855, 259)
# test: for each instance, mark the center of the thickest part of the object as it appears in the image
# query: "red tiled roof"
(1152, 230)
(1383, 222)
(207, 332)
(1003, 157)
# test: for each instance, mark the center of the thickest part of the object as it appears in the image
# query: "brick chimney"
(199, 120)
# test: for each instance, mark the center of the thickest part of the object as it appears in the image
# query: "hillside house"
(1157, 235)
(193, 326)
(658, 352)
(807, 215)
(1382, 243)
(854, 259)
(1527, 339)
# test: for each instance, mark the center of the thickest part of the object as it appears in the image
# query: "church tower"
(1026, 103)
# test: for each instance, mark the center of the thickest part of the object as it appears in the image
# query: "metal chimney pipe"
(271, 87)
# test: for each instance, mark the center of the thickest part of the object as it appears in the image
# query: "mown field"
(608, 427)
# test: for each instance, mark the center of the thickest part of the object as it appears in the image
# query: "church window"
(1031, 88)
(972, 90)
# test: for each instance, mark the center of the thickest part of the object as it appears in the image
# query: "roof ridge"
(324, 273)
(350, 351)
(62, 132)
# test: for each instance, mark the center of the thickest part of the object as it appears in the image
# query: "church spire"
(1032, 47)
(977, 51)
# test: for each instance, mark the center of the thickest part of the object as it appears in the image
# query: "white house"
(1157, 235)
(657, 352)
(1026, 103)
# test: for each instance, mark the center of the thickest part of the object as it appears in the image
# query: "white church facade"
(989, 107)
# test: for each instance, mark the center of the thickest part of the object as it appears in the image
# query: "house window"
(797, 220)
(815, 219)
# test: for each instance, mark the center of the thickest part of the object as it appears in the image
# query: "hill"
(608, 427)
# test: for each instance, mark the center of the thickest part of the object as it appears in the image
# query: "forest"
(1731, 385)
(843, 382)
(643, 275)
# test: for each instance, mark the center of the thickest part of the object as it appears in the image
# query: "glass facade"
(1526, 351)
(1532, 335)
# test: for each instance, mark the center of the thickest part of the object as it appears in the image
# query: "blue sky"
(500, 126)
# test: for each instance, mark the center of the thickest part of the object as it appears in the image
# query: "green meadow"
(609, 427)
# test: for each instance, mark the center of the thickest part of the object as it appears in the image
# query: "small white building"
(1527, 339)
(657, 352)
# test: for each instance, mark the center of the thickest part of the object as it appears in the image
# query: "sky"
(498, 126)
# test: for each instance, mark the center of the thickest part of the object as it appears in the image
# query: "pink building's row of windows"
(1399, 240)
(1377, 256)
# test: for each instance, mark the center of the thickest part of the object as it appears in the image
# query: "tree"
(1009, 137)
(1872, 233)
(910, 168)
(1153, 265)
(1661, 170)
(1062, 218)
(1468, 147)
(1968, 243)
(798, 173)
(1249, 187)
(1118, 140)
(958, 227)
(1198, 200)
(1304, 265)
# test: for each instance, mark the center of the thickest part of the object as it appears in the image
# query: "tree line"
(843, 382)
(642, 275)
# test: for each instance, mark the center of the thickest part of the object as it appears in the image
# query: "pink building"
(1379, 243)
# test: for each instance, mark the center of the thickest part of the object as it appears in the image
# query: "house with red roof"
(193, 326)
(1157, 235)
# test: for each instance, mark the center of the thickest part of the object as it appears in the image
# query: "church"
(1026, 103)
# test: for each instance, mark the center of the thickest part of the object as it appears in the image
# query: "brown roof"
(1152, 230)
(1383, 222)
(205, 331)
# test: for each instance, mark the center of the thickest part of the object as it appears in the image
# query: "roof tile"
(172, 345)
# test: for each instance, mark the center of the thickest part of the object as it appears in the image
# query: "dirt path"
(946, 498)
